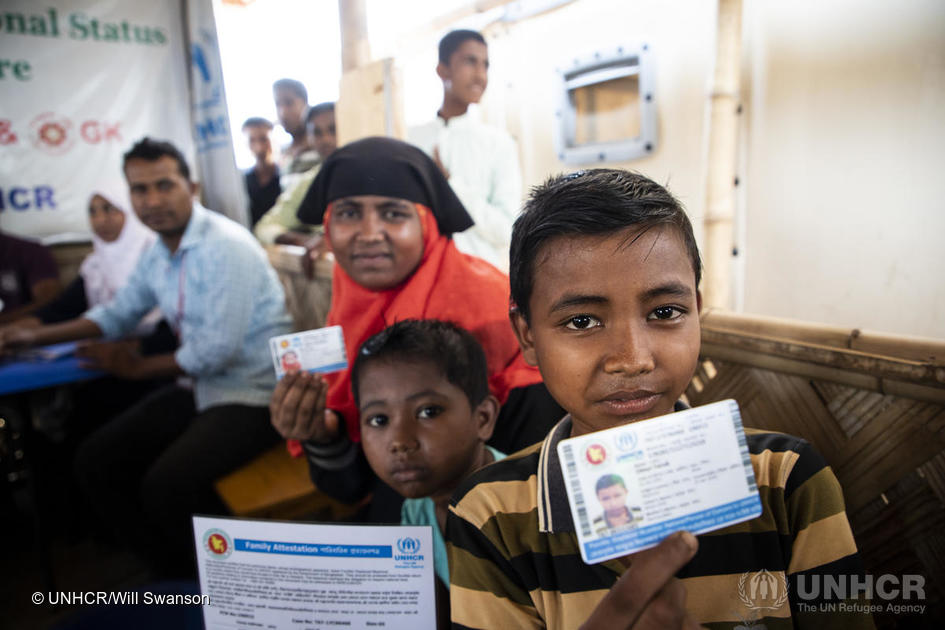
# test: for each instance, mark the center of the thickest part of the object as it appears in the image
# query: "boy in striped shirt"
(604, 282)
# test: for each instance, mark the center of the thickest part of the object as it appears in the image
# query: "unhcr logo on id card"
(627, 446)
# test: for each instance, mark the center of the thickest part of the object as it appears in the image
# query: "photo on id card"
(320, 350)
(631, 486)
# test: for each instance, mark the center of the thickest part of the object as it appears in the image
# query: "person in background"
(320, 126)
(292, 108)
(149, 469)
(71, 412)
(480, 161)
(281, 224)
(118, 242)
(29, 277)
(262, 180)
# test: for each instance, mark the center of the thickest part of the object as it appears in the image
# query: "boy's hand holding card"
(321, 350)
(632, 486)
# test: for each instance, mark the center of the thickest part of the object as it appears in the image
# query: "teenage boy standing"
(480, 161)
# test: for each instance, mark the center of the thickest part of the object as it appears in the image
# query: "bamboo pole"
(355, 48)
(901, 347)
(723, 142)
(764, 353)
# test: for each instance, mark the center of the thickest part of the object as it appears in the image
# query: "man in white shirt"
(300, 155)
(480, 161)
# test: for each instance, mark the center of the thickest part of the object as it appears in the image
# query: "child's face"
(418, 431)
(378, 241)
(613, 499)
(614, 326)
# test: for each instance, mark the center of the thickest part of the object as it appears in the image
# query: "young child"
(604, 278)
(422, 391)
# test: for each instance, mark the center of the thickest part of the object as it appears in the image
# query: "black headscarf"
(386, 167)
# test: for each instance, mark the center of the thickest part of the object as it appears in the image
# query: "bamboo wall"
(873, 406)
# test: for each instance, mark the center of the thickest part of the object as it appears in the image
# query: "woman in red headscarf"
(389, 214)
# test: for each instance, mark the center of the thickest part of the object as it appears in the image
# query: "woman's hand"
(297, 408)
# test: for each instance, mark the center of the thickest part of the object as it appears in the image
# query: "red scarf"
(447, 285)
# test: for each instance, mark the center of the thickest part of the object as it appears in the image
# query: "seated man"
(262, 180)
(153, 466)
(298, 156)
(604, 282)
(29, 278)
(280, 224)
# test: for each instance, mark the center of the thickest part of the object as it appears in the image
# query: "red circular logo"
(596, 454)
(51, 133)
(217, 544)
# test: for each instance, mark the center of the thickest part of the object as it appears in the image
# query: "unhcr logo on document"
(408, 556)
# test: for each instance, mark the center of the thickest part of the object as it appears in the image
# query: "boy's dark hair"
(293, 86)
(257, 121)
(607, 481)
(454, 39)
(318, 110)
(151, 150)
(589, 203)
(453, 350)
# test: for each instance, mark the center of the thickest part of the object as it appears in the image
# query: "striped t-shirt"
(515, 561)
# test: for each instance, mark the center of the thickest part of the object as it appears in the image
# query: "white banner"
(80, 82)
(223, 187)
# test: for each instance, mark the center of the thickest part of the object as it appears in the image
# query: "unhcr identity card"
(320, 350)
(271, 574)
(632, 486)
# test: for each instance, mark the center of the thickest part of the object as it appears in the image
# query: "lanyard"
(181, 282)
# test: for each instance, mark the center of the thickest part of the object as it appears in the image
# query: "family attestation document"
(267, 574)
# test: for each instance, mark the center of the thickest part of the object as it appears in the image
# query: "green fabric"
(422, 512)
(281, 217)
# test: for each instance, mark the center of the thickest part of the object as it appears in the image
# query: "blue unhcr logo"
(408, 546)
(408, 554)
(627, 441)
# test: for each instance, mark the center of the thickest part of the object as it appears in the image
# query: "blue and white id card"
(320, 350)
(632, 486)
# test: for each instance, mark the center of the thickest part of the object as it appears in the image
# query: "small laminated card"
(320, 350)
(632, 486)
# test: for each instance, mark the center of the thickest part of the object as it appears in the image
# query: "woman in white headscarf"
(118, 240)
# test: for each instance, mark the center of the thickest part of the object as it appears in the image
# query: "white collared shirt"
(484, 173)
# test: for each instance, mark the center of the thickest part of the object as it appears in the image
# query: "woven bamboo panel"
(307, 300)
(878, 420)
